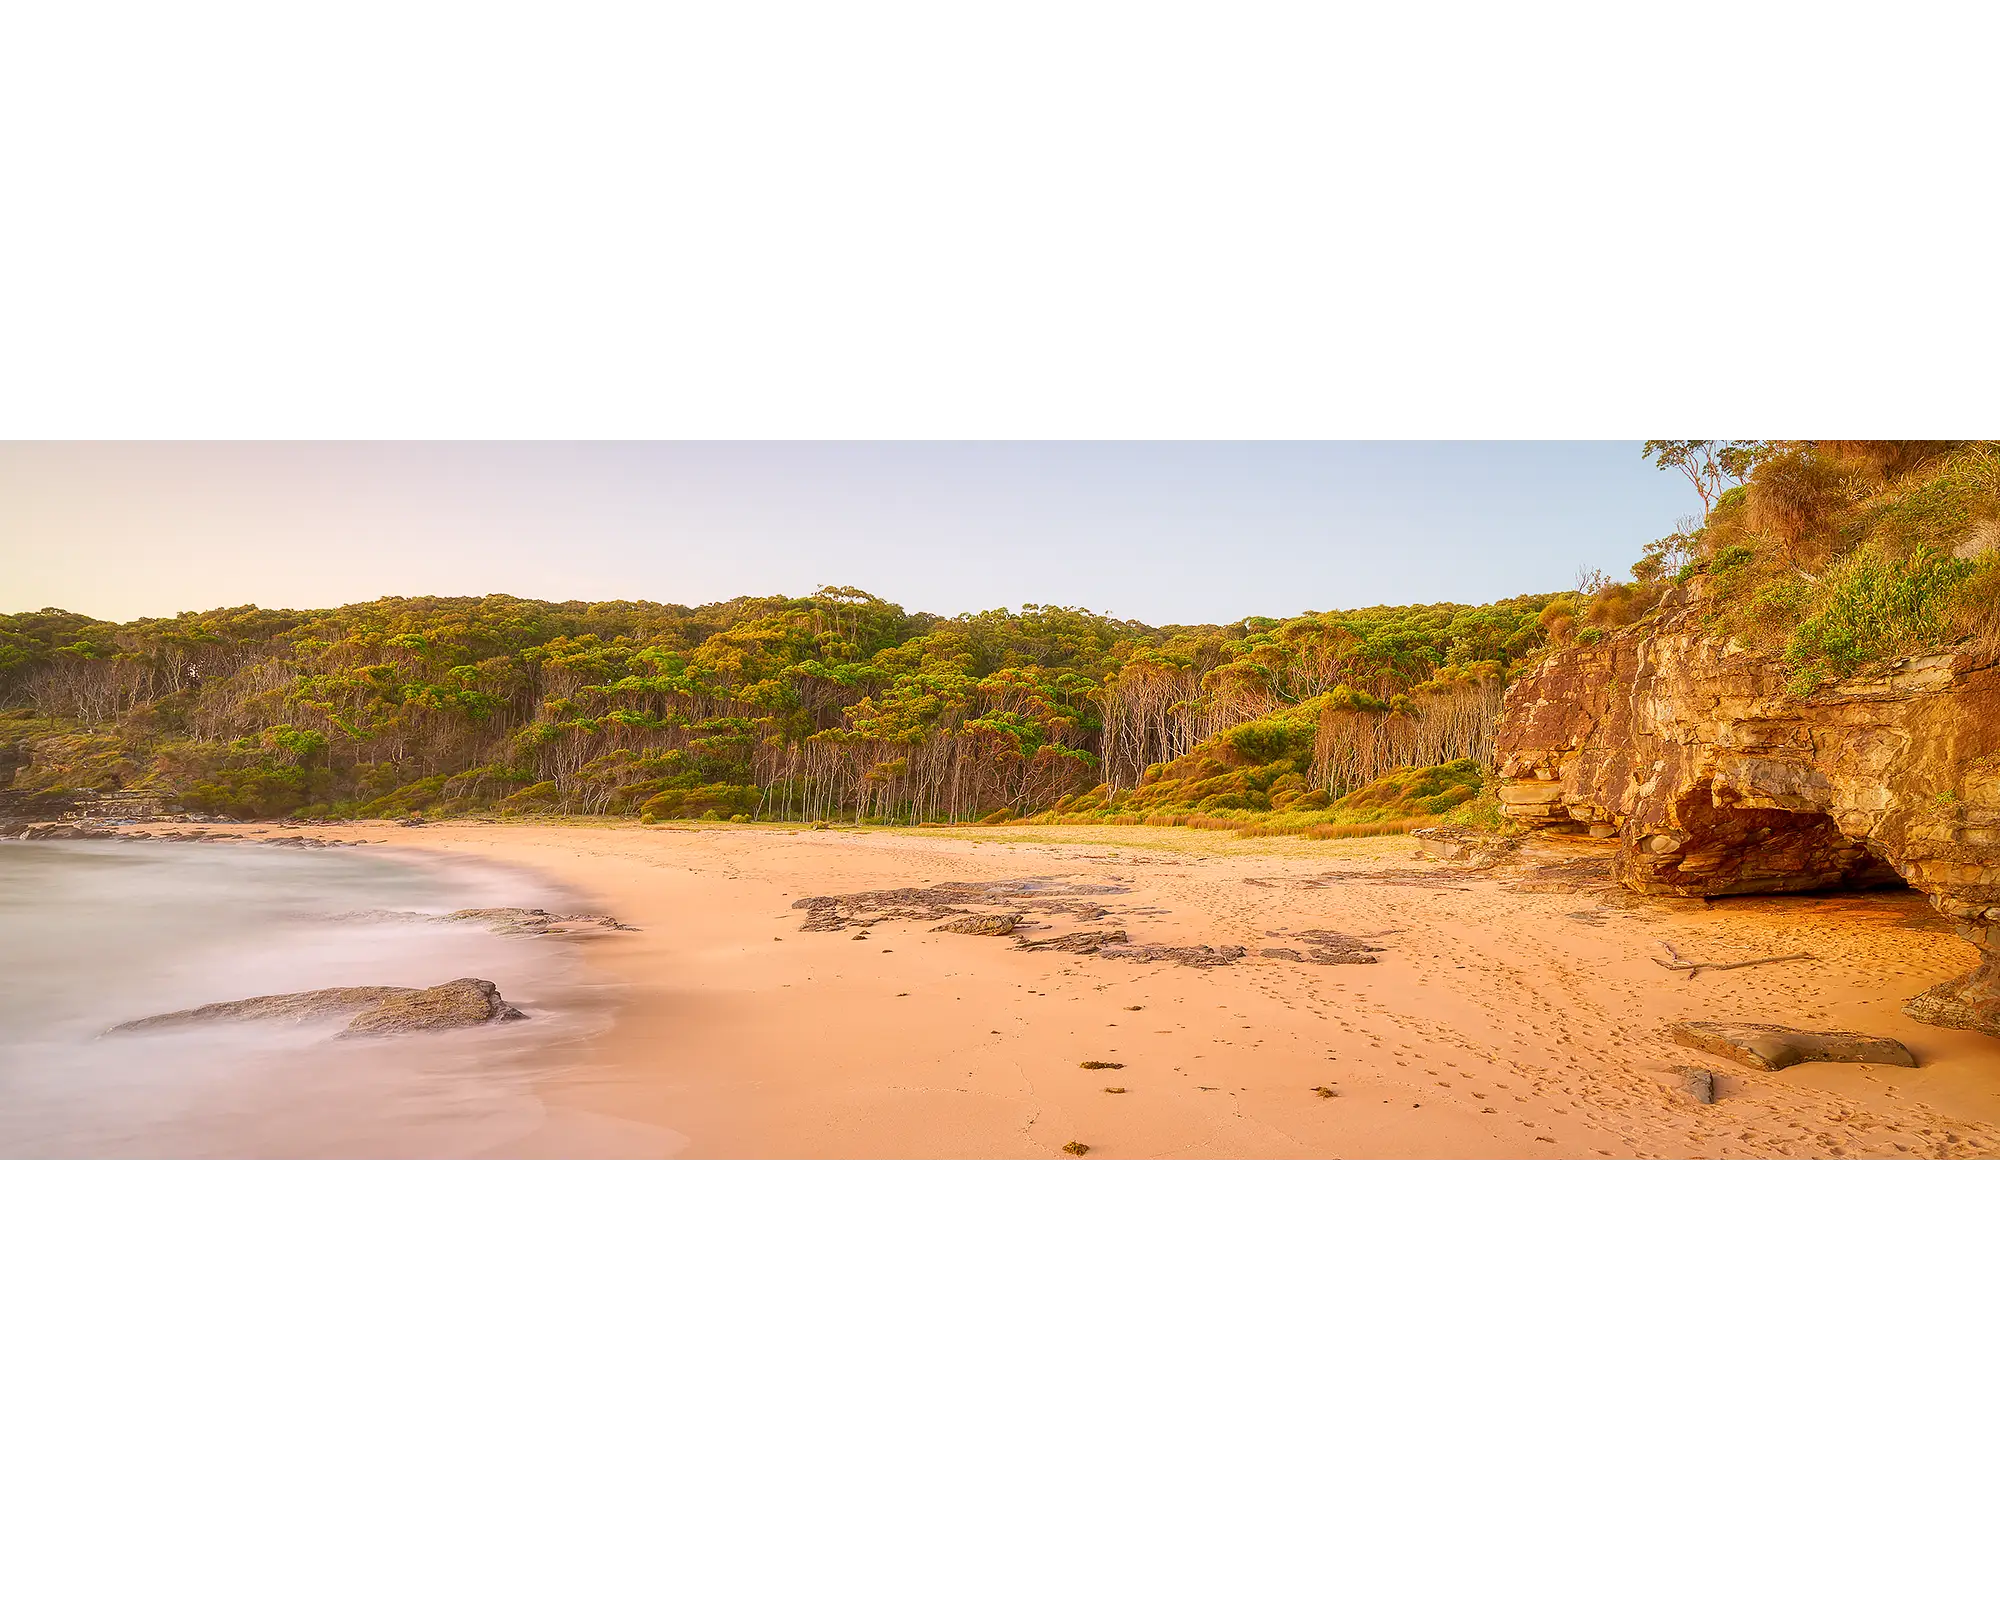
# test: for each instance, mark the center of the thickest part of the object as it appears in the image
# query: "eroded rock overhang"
(1715, 781)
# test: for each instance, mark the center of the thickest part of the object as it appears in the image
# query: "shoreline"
(1493, 1024)
(104, 939)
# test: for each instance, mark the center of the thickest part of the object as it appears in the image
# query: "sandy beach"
(1518, 1012)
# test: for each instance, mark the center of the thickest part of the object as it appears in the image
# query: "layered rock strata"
(1714, 780)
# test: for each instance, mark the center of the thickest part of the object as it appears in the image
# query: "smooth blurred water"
(93, 933)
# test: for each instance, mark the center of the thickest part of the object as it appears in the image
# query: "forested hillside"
(835, 705)
(1838, 553)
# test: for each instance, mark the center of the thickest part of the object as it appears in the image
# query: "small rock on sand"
(1700, 1084)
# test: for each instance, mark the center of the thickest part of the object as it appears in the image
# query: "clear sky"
(1158, 532)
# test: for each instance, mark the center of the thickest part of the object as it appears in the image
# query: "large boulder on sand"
(1771, 1049)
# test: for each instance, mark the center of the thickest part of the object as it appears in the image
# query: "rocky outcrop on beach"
(1772, 1049)
(1689, 750)
(967, 905)
(1448, 842)
(462, 1003)
(1328, 947)
(990, 924)
(1013, 898)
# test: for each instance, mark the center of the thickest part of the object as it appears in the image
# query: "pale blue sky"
(1160, 532)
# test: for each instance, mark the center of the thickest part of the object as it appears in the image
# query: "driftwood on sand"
(1680, 963)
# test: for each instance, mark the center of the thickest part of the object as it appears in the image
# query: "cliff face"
(1716, 782)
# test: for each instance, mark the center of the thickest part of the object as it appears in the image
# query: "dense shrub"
(1841, 554)
(1871, 605)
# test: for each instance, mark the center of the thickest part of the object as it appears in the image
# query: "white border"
(755, 1378)
(227, 220)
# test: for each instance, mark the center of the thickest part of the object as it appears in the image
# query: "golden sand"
(1494, 1023)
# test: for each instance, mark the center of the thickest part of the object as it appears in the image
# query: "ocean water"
(97, 932)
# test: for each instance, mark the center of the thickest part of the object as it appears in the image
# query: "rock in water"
(462, 1003)
(307, 1006)
(532, 921)
(1761, 1045)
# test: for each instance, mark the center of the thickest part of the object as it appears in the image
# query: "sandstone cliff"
(1687, 748)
